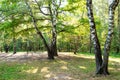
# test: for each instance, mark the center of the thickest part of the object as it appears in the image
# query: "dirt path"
(23, 56)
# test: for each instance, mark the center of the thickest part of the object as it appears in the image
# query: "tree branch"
(41, 9)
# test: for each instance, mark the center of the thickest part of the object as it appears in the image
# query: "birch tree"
(101, 64)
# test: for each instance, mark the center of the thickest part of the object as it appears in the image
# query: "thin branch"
(59, 4)
(41, 9)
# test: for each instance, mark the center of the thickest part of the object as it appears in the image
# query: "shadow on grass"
(64, 67)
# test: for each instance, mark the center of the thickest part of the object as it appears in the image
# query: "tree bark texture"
(101, 64)
(94, 37)
(112, 7)
(53, 14)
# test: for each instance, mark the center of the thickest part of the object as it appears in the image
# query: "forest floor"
(67, 66)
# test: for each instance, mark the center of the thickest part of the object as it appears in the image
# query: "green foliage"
(71, 21)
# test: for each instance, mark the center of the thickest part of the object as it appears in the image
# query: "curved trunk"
(112, 8)
(94, 37)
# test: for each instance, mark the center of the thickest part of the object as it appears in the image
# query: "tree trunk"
(90, 48)
(14, 41)
(54, 41)
(102, 65)
(14, 45)
(28, 46)
(53, 14)
(94, 37)
(112, 7)
(118, 47)
(6, 48)
(50, 53)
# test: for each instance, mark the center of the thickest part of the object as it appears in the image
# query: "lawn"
(64, 67)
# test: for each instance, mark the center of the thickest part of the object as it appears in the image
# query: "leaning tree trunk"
(50, 53)
(94, 37)
(112, 7)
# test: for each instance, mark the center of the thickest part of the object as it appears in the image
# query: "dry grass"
(64, 67)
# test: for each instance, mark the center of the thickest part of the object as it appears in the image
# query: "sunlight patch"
(63, 62)
(45, 69)
(115, 59)
(111, 68)
(64, 67)
(32, 70)
(48, 75)
(82, 67)
(119, 69)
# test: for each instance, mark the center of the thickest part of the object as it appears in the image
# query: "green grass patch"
(73, 67)
(113, 55)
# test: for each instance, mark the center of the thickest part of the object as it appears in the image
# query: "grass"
(72, 67)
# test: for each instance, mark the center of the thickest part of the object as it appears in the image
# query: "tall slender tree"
(101, 64)
(54, 13)
(118, 47)
(112, 6)
(94, 37)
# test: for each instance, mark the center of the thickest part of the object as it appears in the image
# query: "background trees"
(71, 20)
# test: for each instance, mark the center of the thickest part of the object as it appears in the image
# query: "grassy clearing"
(72, 67)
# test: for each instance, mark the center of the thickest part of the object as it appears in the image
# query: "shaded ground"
(23, 56)
(67, 66)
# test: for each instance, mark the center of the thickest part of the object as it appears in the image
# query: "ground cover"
(67, 66)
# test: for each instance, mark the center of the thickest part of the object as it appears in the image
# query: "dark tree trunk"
(94, 37)
(14, 45)
(14, 40)
(6, 48)
(118, 49)
(50, 52)
(28, 46)
(54, 41)
(90, 48)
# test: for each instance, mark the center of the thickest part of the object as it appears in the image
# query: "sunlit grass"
(75, 67)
